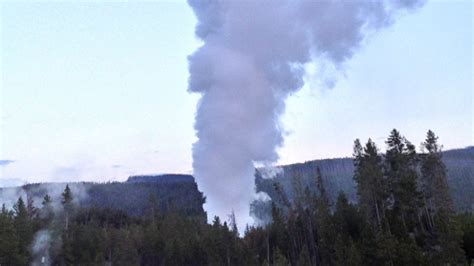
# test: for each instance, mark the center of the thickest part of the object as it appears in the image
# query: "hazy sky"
(99, 91)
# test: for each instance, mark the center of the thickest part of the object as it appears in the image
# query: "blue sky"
(99, 91)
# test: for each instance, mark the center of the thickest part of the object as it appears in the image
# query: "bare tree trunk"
(314, 256)
(268, 249)
(428, 217)
(404, 223)
(377, 212)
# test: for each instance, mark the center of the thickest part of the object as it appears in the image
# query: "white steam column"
(252, 59)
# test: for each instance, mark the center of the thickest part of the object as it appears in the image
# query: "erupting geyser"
(252, 59)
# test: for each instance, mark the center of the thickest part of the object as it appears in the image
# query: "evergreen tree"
(23, 228)
(277, 237)
(326, 234)
(46, 200)
(9, 242)
(374, 199)
(347, 228)
(67, 241)
(346, 252)
(444, 244)
(30, 206)
(347, 220)
(153, 206)
(401, 172)
(466, 220)
(320, 186)
(280, 259)
(46, 212)
(304, 257)
(371, 185)
(66, 201)
(233, 224)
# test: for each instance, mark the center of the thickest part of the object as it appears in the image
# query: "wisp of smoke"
(40, 248)
(43, 239)
(252, 59)
(270, 172)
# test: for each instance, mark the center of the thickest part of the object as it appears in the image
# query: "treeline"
(404, 216)
(338, 176)
(170, 191)
(62, 233)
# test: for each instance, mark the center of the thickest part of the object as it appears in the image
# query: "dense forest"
(402, 214)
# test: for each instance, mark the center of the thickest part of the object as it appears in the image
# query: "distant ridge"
(163, 178)
(135, 197)
(180, 191)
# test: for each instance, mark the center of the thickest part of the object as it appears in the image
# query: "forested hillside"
(180, 190)
(403, 215)
(338, 176)
(133, 197)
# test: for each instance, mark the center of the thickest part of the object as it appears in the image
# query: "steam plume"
(40, 248)
(44, 240)
(252, 59)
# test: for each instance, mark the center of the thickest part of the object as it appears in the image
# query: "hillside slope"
(137, 196)
(338, 176)
(179, 192)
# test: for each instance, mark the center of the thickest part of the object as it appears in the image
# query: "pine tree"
(66, 201)
(46, 211)
(347, 220)
(153, 206)
(30, 206)
(277, 236)
(346, 252)
(434, 182)
(20, 209)
(233, 224)
(46, 200)
(347, 228)
(444, 244)
(326, 234)
(401, 172)
(304, 257)
(374, 199)
(23, 229)
(320, 186)
(371, 186)
(9, 243)
(279, 258)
